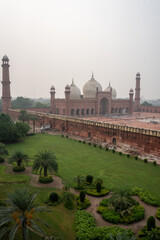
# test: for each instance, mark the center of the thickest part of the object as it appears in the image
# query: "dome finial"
(92, 75)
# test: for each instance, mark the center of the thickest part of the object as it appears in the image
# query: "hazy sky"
(50, 41)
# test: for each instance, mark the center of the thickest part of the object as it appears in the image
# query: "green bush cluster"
(47, 179)
(82, 205)
(145, 160)
(113, 151)
(145, 196)
(158, 214)
(107, 149)
(120, 153)
(53, 197)
(137, 213)
(154, 163)
(19, 168)
(89, 179)
(86, 229)
(136, 157)
(151, 231)
(93, 192)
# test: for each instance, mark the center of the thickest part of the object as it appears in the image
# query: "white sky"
(50, 41)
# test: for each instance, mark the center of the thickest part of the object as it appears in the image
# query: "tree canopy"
(11, 131)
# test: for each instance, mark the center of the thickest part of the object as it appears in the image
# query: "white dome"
(90, 88)
(114, 92)
(75, 91)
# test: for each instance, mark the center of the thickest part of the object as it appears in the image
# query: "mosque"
(94, 101)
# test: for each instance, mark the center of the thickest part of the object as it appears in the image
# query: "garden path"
(100, 222)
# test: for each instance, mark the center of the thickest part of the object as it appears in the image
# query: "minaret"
(6, 96)
(137, 92)
(131, 101)
(67, 99)
(52, 103)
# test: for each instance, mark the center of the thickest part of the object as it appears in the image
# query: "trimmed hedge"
(18, 169)
(137, 214)
(158, 214)
(93, 192)
(145, 196)
(145, 234)
(46, 180)
(82, 205)
(87, 230)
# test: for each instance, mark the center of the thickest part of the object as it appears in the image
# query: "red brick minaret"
(52, 92)
(6, 96)
(137, 92)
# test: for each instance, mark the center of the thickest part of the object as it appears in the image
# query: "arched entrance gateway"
(104, 105)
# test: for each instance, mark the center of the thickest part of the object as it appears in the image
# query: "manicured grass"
(6, 178)
(77, 158)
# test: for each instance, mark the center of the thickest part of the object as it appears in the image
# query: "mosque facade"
(95, 101)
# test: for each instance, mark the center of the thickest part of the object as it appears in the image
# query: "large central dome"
(90, 88)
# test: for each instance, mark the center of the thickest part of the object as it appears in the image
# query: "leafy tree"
(19, 214)
(22, 129)
(23, 116)
(78, 179)
(40, 105)
(3, 150)
(19, 157)
(46, 161)
(21, 102)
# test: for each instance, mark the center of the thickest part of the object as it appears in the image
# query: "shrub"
(136, 157)
(113, 151)
(136, 214)
(62, 135)
(154, 163)
(66, 136)
(93, 192)
(101, 209)
(53, 197)
(47, 179)
(104, 202)
(18, 168)
(67, 198)
(100, 147)
(98, 187)
(86, 229)
(30, 134)
(151, 223)
(95, 145)
(89, 143)
(79, 141)
(82, 205)
(107, 148)
(153, 234)
(158, 214)
(1, 159)
(120, 153)
(89, 178)
(145, 196)
(82, 196)
(145, 160)
(84, 142)
(128, 155)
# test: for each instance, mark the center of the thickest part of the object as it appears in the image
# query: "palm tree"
(18, 157)
(3, 150)
(78, 179)
(33, 118)
(19, 214)
(46, 161)
(67, 198)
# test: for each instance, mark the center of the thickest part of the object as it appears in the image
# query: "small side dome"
(5, 58)
(131, 90)
(52, 89)
(114, 92)
(67, 88)
(75, 91)
(90, 88)
(138, 74)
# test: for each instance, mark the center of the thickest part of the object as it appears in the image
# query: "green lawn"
(77, 158)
